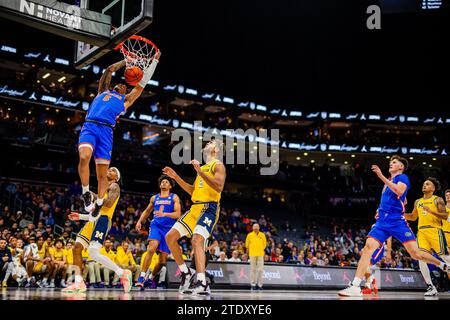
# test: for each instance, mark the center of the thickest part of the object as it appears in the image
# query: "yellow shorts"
(447, 238)
(201, 218)
(39, 267)
(85, 234)
(432, 239)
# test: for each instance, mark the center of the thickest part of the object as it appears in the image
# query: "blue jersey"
(107, 107)
(392, 206)
(168, 205)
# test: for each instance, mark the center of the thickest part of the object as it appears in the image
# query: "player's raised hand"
(376, 169)
(74, 216)
(170, 172)
(196, 165)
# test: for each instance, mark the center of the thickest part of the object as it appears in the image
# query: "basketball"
(133, 75)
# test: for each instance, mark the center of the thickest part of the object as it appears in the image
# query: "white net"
(138, 52)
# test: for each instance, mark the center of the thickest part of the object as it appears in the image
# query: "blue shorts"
(101, 229)
(99, 138)
(377, 255)
(397, 229)
(158, 232)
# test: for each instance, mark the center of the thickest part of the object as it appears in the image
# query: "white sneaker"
(185, 282)
(431, 291)
(351, 291)
(201, 289)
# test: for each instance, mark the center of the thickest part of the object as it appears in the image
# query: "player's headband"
(117, 172)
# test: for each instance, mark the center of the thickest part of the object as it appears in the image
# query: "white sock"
(143, 274)
(201, 277)
(441, 265)
(183, 268)
(78, 279)
(150, 276)
(99, 201)
(368, 283)
(425, 272)
(45, 280)
(446, 259)
(85, 189)
(162, 274)
(356, 282)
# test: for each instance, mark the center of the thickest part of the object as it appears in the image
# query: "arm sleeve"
(148, 73)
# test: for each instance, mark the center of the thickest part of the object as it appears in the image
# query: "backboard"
(127, 19)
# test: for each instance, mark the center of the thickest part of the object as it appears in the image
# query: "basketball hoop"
(137, 51)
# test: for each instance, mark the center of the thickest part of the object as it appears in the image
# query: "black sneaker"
(201, 289)
(185, 282)
(96, 213)
(87, 198)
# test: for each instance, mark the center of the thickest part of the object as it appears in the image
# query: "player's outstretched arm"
(398, 188)
(148, 74)
(145, 214)
(105, 79)
(189, 188)
(218, 181)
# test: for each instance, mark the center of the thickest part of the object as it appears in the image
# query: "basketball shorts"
(201, 219)
(99, 138)
(39, 267)
(158, 232)
(447, 238)
(432, 239)
(397, 229)
(377, 255)
(84, 236)
(101, 229)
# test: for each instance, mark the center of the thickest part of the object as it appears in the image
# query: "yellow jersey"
(428, 220)
(58, 255)
(203, 192)
(41, 252)
(124, 258)
(109, 212)
(69, 256)
(110, 254)
(85, 255)
(446, 223)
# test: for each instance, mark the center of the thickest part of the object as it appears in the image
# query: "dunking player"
(167, 210)
(94, 234)
(430, 210)
(390, 222)
(202, 217)
(96, 136)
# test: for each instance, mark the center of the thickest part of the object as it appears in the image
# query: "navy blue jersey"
(168, 205)
(392, 206)
(107, 107)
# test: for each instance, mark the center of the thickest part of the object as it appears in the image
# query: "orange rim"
(135, 37)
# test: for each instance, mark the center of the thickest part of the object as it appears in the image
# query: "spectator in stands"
(6, 264)
(222, 257)
(234, 256)
(256, 243)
